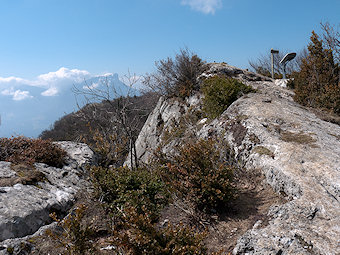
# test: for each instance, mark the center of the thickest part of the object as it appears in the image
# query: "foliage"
(199, 173)
(220, 92)
(135, 198)
(176, 77)
(111, 149)
(123, 187)
(139, 235)
(75, 237)
(317, 84)
(25, 150)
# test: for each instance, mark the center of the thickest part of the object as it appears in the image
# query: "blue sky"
(47, 41)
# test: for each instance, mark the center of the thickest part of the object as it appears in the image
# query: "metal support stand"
(272, 60)
(284, 70)
(288, 57)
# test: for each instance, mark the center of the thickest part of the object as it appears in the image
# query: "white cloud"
(205, 6)
(11, 79)
(63, 74)
(6, 92)
(21, 95)
(18, 94)
(54, 82)
(50, 92)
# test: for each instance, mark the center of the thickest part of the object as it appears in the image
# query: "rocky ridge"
(298, 153)
(25, 207)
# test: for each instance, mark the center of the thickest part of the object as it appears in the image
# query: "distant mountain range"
(28, 110)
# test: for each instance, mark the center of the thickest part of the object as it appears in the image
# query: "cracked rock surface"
(297, 152)
(26, 208)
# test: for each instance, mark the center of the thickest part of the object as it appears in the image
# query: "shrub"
(220, 92)
(200, 175)
(110, 148)
(139, 235)
(75, 237)
(123, 187)
(176, 77)
(135, 198)
(25, 150)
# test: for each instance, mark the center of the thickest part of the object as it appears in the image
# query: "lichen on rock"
(296, 151)
(26, 204)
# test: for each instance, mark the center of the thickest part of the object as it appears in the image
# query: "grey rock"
(298, 153)
(26, 208)
(22, 245)
(78, 154)
(304, 168)
(6, 172)
(231, 71)
(166, 116)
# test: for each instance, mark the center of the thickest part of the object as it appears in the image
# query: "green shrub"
(201, 176)
(135, 199)
(123, 187)
(220, 92)
(25, 150)
(139, 235)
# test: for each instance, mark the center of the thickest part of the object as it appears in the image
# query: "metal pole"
(284, 70)
(272, 59)
(272, 51)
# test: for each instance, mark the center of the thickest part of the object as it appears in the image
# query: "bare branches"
(262, 64)
(176, 77)
(121, 113)
(331, 38)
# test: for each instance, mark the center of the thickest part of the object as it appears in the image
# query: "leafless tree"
(123, 125)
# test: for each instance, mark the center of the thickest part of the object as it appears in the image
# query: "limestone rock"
(166, 117)
(298, 153)
(304, 166)
(26, 208)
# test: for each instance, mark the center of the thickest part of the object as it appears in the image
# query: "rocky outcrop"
(164, 119)
(25, 206)
(298, 153)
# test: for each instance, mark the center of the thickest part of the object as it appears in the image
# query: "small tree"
(176, 77)
(317, 83)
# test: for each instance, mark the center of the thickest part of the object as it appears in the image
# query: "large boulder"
(297, 152)
(25, 205)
